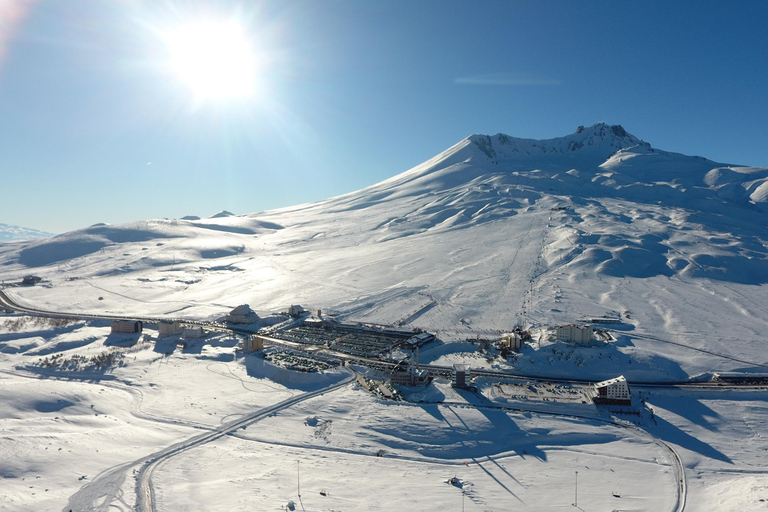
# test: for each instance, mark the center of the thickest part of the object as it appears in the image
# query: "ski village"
(565, 324)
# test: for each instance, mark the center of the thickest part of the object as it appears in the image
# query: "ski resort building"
(126, 326)
(420, 339)
(253, 343)
(169, 328)
(242, 314)
(512, 341)
(31, 280)
(295, 311)
(415, 377)
(320, 322)
(314, 321)
(459, 376)
(194, 332)
(574, 333)
(603, 320)
(613, 391)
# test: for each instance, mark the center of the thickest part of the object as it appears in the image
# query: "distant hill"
(10, 233)
(494, 232)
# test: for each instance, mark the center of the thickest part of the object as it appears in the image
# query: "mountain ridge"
(601, 160)
(598, 138)
(10, 233)
(472, 244)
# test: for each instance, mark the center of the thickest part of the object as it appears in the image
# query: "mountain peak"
(222, 214)
(600, 140)
(616, 129)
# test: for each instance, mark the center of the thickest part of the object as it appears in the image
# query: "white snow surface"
(9, 233)
(492, 233)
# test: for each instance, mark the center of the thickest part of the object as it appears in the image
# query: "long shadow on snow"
(600, 360)
(691, 409)
(165, 345)
(670, 433)
(43, 332)
(460, 438)
(32, 348)
(61, 346)
(122, 339)
(257, 367)
(695, 412)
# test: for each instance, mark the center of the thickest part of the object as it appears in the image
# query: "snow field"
(160, 397)
(492, 233)
(59, 435)
(722, 437)
(512, 461)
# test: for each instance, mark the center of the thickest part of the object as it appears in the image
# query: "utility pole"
(298, 483)
(576, 491)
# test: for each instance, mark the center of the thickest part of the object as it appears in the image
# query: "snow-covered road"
(101, 494)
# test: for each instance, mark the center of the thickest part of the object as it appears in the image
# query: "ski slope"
(493, 233)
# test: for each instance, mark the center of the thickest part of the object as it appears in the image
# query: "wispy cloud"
(513, 79)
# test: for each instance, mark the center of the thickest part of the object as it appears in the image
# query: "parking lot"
(357, 341)
(298, 361)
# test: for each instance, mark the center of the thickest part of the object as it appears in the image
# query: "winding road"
(101, 494)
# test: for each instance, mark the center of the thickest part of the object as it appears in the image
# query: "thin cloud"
(513, 79)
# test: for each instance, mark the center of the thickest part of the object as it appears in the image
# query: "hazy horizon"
(119, 111)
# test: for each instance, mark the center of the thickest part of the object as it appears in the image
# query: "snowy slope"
(10, 233)
(75, 437)
(493, 232)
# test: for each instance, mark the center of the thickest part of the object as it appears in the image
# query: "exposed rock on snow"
(494, 232)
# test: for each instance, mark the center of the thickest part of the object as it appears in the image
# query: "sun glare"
(214, 59)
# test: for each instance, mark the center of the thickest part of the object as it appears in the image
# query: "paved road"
(101, 494)
(442, 371)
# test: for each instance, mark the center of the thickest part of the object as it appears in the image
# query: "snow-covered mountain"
(494, 232)
(10, 233)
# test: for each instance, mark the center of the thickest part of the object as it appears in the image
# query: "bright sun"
(214, 59)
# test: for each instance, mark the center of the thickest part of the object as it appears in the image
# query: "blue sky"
(96, 127)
